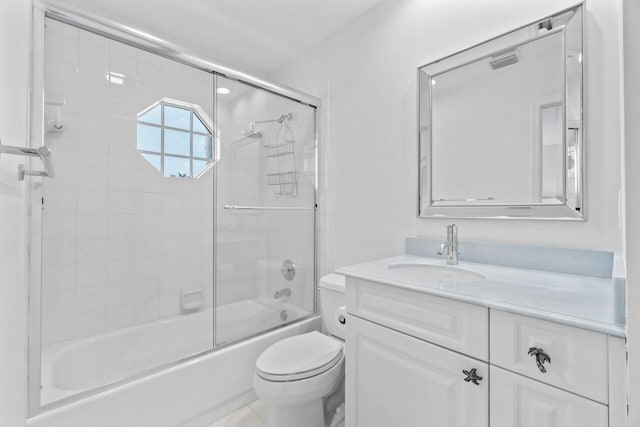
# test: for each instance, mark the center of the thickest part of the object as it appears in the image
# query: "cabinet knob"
(541, 358)
(472, 376)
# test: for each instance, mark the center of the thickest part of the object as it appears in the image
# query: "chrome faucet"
(451, 245)
(286, 292)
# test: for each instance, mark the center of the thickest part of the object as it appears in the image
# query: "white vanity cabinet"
(416, 359)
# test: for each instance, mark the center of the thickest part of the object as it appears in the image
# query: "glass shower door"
(127, 259)
(265, 211)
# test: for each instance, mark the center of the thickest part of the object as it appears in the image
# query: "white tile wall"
(120, 242)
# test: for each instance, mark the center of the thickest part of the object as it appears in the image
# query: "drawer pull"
(541, 358)
(472, 376)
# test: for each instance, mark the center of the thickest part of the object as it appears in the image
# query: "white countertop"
(581, 301)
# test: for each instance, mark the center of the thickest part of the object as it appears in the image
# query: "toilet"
(297, 375)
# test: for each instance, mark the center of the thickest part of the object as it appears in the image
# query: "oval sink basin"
(436, 273)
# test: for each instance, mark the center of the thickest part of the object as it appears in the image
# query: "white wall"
(369, 87)
(632, 198)
(14, 77)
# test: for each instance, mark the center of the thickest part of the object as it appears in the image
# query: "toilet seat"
(299, 357)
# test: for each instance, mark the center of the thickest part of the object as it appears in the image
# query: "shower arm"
(281, 119)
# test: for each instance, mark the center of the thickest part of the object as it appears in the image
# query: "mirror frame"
(525, 34)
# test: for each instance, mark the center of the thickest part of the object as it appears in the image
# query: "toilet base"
(309, 415)
(299, 402)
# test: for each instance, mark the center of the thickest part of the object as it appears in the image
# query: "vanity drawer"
(578, 357)
(452, 324)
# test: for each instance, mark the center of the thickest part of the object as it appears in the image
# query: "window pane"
(152, 116)
(154, 159)
(202, 146)
(182, 141)
(177, 117)
(148, 138)
(198, 126)
(176, 142)
(177, 166)
(199, 166)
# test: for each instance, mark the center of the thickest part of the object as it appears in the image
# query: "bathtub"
(192, 393)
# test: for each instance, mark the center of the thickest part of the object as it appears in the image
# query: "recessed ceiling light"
(223, 91)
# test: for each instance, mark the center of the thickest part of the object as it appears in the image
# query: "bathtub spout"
(286, 292)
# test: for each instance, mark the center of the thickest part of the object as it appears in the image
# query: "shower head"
(252, 132)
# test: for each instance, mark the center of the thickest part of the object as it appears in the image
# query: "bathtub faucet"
(286, 292)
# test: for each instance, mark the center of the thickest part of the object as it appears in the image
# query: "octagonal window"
(176, 138)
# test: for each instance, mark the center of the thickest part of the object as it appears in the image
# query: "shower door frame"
(112, 30)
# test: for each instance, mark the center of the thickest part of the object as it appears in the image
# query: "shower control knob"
(342, 319)
(288, 269)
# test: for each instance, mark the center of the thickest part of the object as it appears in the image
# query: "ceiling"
(256, 36)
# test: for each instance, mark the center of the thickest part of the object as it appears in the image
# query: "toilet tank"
(332, 298)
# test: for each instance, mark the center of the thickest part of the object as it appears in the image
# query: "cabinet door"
(397, 380)
(517, 401)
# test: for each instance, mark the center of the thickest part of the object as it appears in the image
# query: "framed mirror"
(501, 126)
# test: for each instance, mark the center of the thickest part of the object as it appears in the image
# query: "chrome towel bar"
(44, 153)
(266, 208)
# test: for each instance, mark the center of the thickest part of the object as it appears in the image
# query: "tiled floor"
(252, 415)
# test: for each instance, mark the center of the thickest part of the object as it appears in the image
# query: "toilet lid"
(298, 357)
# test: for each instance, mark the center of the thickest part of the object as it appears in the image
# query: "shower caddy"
(283, 151)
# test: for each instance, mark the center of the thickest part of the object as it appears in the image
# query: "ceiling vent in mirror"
(504, 59)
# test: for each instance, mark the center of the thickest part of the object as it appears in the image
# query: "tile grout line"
(258, 416)
(250, 405)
